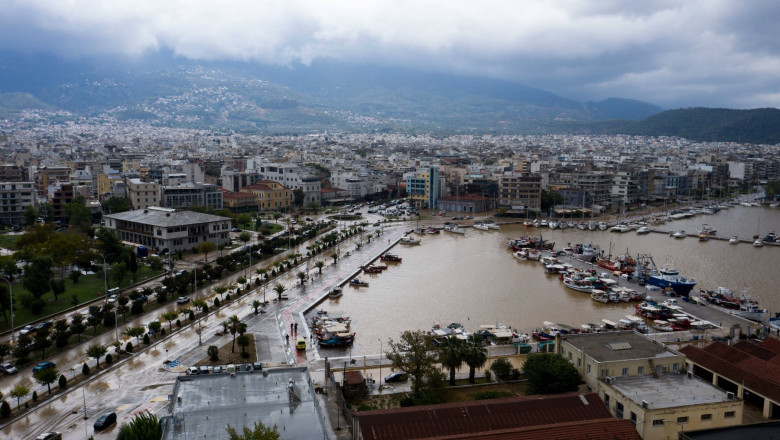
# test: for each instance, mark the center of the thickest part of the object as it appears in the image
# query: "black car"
(105, 420)
(396, 377)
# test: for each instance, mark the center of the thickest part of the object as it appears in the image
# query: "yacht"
(734, 239)
(679, 234)
(643, 230)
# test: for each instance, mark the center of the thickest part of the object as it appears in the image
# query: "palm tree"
(335, 257)
(234, 325)
(279, 289)
(170, 317)
(302, 277)
(451, 355)
(319, 265)
(256, 304)
(474, 354)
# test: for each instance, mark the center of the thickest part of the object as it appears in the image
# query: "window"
(588, 369)
(625, 371)
(640, 370)
(706, 417)
(606, 400)
(579, 362)
(619, 410)
(682, 419)
(657, 422)
(730, 414)
(674, 367)
(632, 417)
(569, 356)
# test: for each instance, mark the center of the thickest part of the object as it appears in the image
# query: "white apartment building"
(142, 194)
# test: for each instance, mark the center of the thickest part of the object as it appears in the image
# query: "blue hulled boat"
(665, 277)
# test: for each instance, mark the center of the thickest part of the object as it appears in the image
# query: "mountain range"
(334, 96)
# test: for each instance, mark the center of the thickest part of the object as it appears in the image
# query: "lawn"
(88, 288)
(8, 241)
(228, 357)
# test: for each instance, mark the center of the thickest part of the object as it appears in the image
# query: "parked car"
(204, 369)
(105, 420)
(53, 435)
(43, 365)
(398, 376)
(183, 300)
(308, 219)
(26, 330)
(217, 369)
(191, 371)
(141, 299)
(112, 299)
(8, 368)
(235, 230)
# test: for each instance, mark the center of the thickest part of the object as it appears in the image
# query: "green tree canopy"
(117, 204)
(415, 355)
(96, 351)
(37, 276)
(144, 426)
(77, 211)
(46, 376)
(550, 373)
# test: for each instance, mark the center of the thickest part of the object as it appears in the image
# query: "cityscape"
(370, 222)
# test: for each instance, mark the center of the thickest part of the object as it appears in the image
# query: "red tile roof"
(607, 429)
(480, 417)
(759, 376)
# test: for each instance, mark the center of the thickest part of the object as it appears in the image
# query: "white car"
(183, 300)
(7, 368)
(26, 330)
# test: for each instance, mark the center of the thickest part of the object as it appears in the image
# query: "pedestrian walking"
(296, 328)
(287, 339)
(291, 327)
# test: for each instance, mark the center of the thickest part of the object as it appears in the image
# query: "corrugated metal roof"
(478, 417)
(165, 218)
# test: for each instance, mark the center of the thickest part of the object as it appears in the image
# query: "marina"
(473, 279)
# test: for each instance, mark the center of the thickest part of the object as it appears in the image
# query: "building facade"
(164, 228)
(520, 191)
(15, 198)
(142, 195)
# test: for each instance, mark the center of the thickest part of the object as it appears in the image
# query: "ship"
(666, 277)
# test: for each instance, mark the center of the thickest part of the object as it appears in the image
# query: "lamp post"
(380, 364)
(105, 286)
(11, 294)
(195, 271)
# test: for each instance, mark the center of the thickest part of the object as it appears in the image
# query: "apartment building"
(520, 191)
(142, 195)
(271, 196)
(192, 194)
(15, 197)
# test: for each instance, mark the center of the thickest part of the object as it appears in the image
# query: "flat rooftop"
(669, 390)
(210, 402)
(616, 346)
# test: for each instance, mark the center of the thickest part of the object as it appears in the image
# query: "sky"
(676, 53)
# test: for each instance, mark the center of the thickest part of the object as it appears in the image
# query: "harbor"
(472, 279)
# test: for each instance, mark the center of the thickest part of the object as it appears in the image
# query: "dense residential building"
(142, 195)
(106, 182)
(59, 195)
(45, 176)
(15, 197)
(12, 173)
(165, 228)
(520, 191)
(293, 177)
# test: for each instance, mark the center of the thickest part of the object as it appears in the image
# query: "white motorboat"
(734, 239)
(591, 225)
(621, 227)
(409, 240)
(455, 229)
(758, 243)
(552, 224)
(481, 226)
(643, 230)
(602, 226)
(679, 234)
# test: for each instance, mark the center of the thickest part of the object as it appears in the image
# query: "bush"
(36, 307)
(137, 308)
(5, 410)
(487, 376)
(216, 302)
(406, 402)
(109, 358)
(501, 367)
(178, 323)
(63, 382)
(35, 396)
(162, 332)
(213, 352)
(146, 338)
(191, 316)
(227, 297)
(85, 369)
(129, 347)
(245, 355)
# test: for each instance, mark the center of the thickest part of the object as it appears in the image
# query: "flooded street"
(474, 279)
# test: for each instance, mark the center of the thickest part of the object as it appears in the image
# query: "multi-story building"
(45, 176)
(12, 173)
(15, 197)
(293, 177)
(239, 201)
(59, 195)
(234, 181)
(194, 194)
(106, 182)
(164, 228)
(142, 195)
(424, 188)
(271, 195)
(520, 191)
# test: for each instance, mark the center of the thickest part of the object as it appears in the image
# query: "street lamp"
(105, 286)
(11, 294)
(380, 364)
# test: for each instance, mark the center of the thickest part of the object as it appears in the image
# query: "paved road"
(141, 383)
